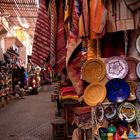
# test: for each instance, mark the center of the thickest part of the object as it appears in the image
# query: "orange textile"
(84, 20)
(98, 16)
(92, 49)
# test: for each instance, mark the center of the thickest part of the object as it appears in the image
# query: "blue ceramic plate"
(117, 90)
(110, 112)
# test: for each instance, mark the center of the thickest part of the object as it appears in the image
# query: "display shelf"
(5, 85)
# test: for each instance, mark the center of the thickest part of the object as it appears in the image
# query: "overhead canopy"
(22, 13)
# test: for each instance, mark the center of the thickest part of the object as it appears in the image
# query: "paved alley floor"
(29, 118)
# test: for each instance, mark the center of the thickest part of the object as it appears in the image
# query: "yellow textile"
(73, 97)
(81, 27)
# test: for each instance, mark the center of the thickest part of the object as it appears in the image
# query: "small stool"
(59, 129)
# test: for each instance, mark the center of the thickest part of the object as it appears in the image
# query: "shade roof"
(26, 10)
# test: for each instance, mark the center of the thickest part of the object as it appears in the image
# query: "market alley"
(29, 118)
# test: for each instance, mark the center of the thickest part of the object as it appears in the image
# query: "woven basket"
(94, 94)
(93, 70)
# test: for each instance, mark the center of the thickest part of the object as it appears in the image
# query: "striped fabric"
(133, 4)
(41, 42)
(53, 18)
(60, 41)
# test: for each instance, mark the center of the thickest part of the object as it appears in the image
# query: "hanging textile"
(66, 17)
(73, 39)
(74, 70)
(60, 41)
(84, 20)
(53, 20)
(72, 44)
(41, 42)
(76, 12)
(67, 10)
(98, 16)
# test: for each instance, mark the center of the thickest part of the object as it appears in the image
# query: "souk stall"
(97, 41)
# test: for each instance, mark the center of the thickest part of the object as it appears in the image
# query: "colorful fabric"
(53, 19)
(73, 67)
(74, 73)
(72, 97)
(41, 42)
(74, 23)
(98, 16)
(67, 10)
(66, 17)
(84, 20)
(60, 41)
(66, 89)
(68, 94)
(73, 38)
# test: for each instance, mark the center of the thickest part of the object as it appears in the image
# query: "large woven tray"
(93, 70)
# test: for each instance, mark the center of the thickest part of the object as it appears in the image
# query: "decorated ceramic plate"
(138, 115)
(128, 111)
(132, 64)
(138, 69)
(138, 92)
(116, 67)
(93, 70)
(133, 86)
(110, 112)
(118, 90)
(138, 44)
(94, 94)
(99, 113)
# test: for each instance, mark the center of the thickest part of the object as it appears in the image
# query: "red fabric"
(82, 110)
(68, 93)
(74, 66)
(74, 72)
(41, 42)
(53, 18)
(60, 41)
(66, 89)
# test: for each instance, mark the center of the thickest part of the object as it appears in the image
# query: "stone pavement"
(29, 118)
